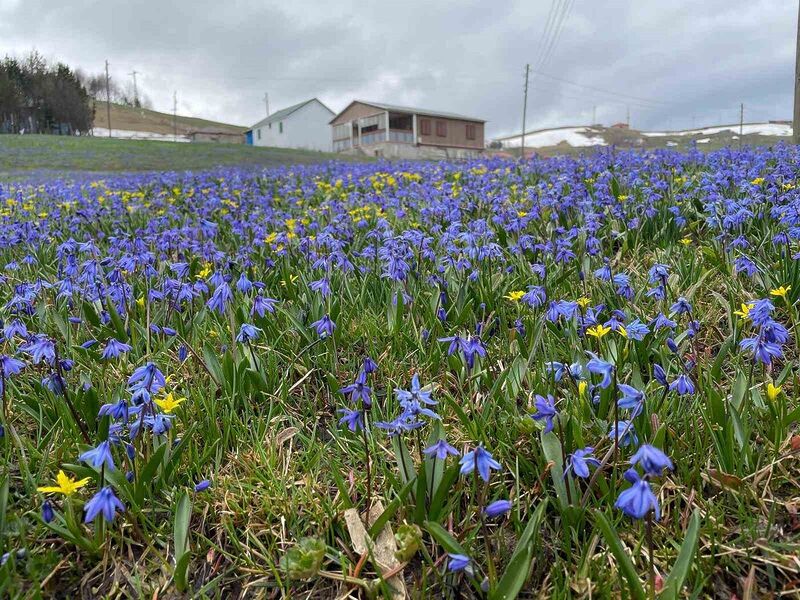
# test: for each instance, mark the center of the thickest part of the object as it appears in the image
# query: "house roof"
(285, 112)
(408, 109)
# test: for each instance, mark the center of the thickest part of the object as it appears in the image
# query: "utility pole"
(175, 114)
(135, 90)
(628, 115)
(524, 111)
(796, 115)
(741, 123)
(108, 101)
(266, 100)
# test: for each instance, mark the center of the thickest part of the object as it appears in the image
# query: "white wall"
(305, 128)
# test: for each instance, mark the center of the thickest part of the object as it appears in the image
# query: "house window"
(470, 131)
(424, 126)
(259, 133)
(280, 127)
(269, 125)
(441, 128)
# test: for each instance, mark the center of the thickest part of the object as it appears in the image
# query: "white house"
(304, 125)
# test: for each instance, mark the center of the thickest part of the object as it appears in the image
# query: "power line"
(567, 7)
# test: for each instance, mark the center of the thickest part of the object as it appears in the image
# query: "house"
(304, 125)
(389, 131)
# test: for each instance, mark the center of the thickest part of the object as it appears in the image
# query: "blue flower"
(459, 562)
(359, 390)
(651, 459)
(600, 367)
(639, 499)
(47, 512)
(545, 410)
(148, 377)
(113, 349)
(440, 450)
(580, 461)
(220, 299)
(247, 333)
(10, 365)
(681, 306)
(498, 508)
(416, 393)
(683, 385)
(351, 418)
(99, 455)
(480, 459)
(103, 502)
(762, 350)
(202, 486)
(40, 348)
(636, 330)
(659, 374)
(631, 399)
(324, 326)
(626, 433)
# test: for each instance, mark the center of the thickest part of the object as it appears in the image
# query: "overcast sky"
(671, 63)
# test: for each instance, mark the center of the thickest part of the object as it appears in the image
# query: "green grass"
(23, 155)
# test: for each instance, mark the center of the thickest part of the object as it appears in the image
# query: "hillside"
(27, 155)
(127, 118)
(576, 139)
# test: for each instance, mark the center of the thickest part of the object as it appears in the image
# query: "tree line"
(38, 97)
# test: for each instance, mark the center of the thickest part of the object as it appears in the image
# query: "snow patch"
(138, 135)
(776, 129)
(572, 136)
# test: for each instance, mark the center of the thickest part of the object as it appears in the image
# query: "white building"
(303, 125)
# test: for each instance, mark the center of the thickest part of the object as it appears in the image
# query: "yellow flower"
(745, 311)
(582, 385)
(65, 485)
(583, 301)
(781, 291)
(140, 302)
(757, 181)
(205, 271)
(685, 241)
(169, 403)
(622, 331)
(773, 391)
(598, 331)
(514, 296)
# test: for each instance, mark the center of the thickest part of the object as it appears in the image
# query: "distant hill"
(576, 139)
(128, 118)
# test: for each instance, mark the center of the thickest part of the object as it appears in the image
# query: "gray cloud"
(671, 64)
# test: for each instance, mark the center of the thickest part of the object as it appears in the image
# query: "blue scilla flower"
(359, 390)
(545, 411)
(369, 365)
(440, 450)
(626, 433)
(479, 459)
(662, 322)
(681, 306)
(763, 351)
(352, 418)
(658, 273)
(220, 299)
(147, 377)
(247, 333)
(416, 393)
(498, 508)
(636, 330)
(10, 366)
(114, 348)
(579, 462)
(103, 503)
(99, 455)
(683, 385)
(117, 411)
(202, 485)
(598, 366)
(459, 562)
(324, 326)
(652, 460)
(262, 305)
(659, 374)
(40, 347)
(638, 500)
(48, 514)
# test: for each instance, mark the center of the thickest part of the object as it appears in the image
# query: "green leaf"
(519, 566)
(623, 560)
(3, 508)
(389, 511)
(552, 452)
(183, 514)
(444, 539)
(676, 577)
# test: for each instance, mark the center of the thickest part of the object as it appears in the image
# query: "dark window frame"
(424, 126)
(471, 131)
(441, 128)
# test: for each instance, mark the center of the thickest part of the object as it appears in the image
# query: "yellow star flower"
(582, 385)
(745, 311)
(65, 485)
(169, 403)
(773, 391)
(781, 291)
(515, 296)
(583, 301)
(622, 331)
(598, 331)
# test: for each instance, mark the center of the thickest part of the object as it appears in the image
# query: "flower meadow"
(568, 377)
